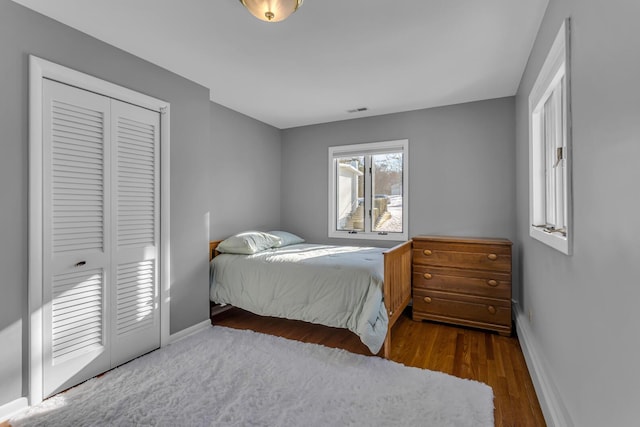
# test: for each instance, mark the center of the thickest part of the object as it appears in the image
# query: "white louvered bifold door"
(76, 230)
(101, 178)
(135, 214)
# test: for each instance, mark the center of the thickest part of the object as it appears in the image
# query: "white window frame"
(369, 149)
(550, 199)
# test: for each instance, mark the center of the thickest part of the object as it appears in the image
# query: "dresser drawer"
(473, 282)
(483, 257)
(474, 311)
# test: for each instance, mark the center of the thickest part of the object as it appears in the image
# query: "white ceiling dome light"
(272, 10)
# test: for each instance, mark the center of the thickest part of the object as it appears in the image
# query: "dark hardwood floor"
(466, 353)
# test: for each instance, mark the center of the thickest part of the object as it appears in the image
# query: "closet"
(100, 234)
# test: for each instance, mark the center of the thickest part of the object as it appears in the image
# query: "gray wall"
(23, 32)
(461, 169)
(585, 317)
(244, 189)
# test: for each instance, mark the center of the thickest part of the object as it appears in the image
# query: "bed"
(363, 289)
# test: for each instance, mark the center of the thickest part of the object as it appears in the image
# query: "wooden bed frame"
(397, 285)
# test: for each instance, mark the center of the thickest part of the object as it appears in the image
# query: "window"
(368, 188)
(549, 148)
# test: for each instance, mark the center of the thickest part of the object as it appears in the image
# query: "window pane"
(552, 142)
(387, 192)
(549, 150)
(350, 193)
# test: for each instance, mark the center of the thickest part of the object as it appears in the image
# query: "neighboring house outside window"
(368, 188)
(549, 148)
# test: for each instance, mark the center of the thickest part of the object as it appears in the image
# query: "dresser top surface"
(469, 240)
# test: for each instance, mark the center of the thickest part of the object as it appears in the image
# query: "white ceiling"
(329, 57)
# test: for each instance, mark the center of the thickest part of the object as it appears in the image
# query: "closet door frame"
(40, 69)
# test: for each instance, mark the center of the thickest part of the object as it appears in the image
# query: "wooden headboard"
(213, 244)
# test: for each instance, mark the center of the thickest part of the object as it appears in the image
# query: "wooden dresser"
(466, 281)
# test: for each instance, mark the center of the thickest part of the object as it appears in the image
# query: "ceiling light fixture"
(272, 10)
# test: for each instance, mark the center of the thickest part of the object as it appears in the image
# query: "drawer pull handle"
(492, 282)
(491, 309)
(428, 276)
(427, 300)
(427, 252)
(492, 257)
(81, 264)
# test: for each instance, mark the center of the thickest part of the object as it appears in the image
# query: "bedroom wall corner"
(24, 32)
(580, 311)
(461, 170)
(245, 163)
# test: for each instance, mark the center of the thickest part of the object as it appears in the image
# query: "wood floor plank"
(467, 353)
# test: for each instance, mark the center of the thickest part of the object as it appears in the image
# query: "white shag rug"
(227, 377)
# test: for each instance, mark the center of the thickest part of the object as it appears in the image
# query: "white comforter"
(338, 286)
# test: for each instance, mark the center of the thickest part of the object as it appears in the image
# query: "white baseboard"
(189, 331)
(9, 409)
(554, 411)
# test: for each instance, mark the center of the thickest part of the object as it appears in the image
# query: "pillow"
(286, 238)
(248, 242)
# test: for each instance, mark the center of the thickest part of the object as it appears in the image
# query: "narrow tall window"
(368, 191)
(550, 174)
